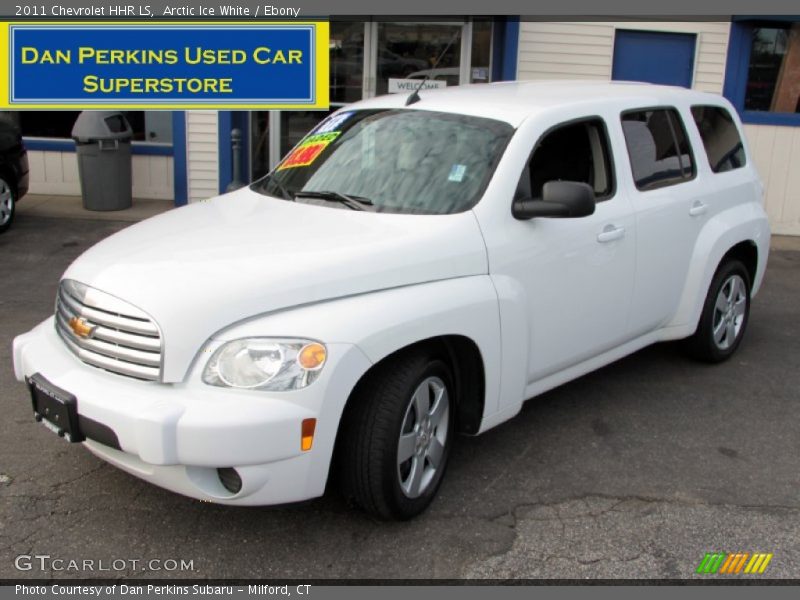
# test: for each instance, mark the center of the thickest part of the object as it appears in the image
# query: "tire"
(396, 437)
(726, 312)
(7, 204)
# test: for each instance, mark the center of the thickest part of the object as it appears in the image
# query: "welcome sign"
(166, 65)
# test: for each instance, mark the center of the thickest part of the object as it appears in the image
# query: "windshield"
(392, 160)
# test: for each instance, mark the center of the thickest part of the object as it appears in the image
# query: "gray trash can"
(103, 144)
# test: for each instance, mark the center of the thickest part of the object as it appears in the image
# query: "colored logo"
(722, 563)
(81, 328)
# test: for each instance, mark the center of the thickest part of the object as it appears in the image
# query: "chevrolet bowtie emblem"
(81, 328)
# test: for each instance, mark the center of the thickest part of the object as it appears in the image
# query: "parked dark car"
(13, 171)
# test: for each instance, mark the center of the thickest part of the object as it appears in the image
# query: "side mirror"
(560, 199)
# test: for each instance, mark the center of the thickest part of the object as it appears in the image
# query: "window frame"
(692, 154)
(739, 134)
(737, 68)
(612, 170)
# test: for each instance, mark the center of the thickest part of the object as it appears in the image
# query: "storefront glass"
(410, 50)
(481, 63)
(346, 62)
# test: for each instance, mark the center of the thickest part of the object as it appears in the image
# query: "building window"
(411, 50)
(773, 75)
(346, 61)
(763, 71)
(481, 67)
(148, 126)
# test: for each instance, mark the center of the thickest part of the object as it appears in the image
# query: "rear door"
(670, 205)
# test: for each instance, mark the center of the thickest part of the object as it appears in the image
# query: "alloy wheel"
(423, 437)
(6, 202)
(729, 312)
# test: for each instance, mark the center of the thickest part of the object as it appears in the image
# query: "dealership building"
(185, 156)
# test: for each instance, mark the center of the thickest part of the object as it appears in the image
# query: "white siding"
(776, 151)
(585, 50)
(202, 154)
(57, 173)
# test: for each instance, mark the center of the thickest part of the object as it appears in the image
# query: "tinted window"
(720, 138)
(658, 148)
(400, 160)
(572, 152)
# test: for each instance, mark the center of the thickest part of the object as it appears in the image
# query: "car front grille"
(108, 333)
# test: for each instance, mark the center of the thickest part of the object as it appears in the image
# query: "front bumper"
(177, 435)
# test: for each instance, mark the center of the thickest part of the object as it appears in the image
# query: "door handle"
(698, 208)
(610, 233)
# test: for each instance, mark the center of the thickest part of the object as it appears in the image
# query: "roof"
(513, 101)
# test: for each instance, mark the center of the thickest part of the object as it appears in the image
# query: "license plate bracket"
(57, 409)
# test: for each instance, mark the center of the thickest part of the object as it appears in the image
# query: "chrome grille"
(120, 337)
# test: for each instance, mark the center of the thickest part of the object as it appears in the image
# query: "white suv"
(413, 268)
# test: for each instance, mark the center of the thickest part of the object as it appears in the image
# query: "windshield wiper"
(352, 202)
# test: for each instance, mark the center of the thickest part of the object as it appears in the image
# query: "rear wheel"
(397, 436)
(7, 204)
(725, 314)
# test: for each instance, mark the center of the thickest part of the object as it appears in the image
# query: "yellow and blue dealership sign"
(166, 65)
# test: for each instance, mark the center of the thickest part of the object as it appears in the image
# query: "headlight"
(265, 364)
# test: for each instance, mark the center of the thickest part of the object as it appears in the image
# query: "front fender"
(741, 223)
(380, 323)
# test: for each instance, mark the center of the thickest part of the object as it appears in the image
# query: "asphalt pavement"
(634, 471)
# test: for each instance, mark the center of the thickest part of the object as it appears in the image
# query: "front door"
(576, 273)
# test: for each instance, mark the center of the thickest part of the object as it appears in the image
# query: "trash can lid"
(101, 125)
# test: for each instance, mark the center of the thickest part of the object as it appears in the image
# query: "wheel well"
(747, 253)
(465, 361)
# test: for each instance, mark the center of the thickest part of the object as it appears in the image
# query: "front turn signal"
(307, 434)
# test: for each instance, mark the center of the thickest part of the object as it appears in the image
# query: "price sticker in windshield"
(308, 150)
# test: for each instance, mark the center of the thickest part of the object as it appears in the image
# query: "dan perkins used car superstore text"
(171, 590)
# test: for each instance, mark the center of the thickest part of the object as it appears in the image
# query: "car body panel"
(211, 264)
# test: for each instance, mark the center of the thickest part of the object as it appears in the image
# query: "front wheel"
(725, 314)
(7, 204)
(397, 436)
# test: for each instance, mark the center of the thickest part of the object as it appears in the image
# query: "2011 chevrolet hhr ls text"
(414, 268)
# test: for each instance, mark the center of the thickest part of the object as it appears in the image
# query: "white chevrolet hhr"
(414, 268)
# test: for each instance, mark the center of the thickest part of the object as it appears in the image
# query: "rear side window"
(659, 150)
(720, 138)
(575, 151)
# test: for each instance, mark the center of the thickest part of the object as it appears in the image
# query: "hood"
(201, 268)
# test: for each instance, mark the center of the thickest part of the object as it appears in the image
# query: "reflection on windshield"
(407, 161)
